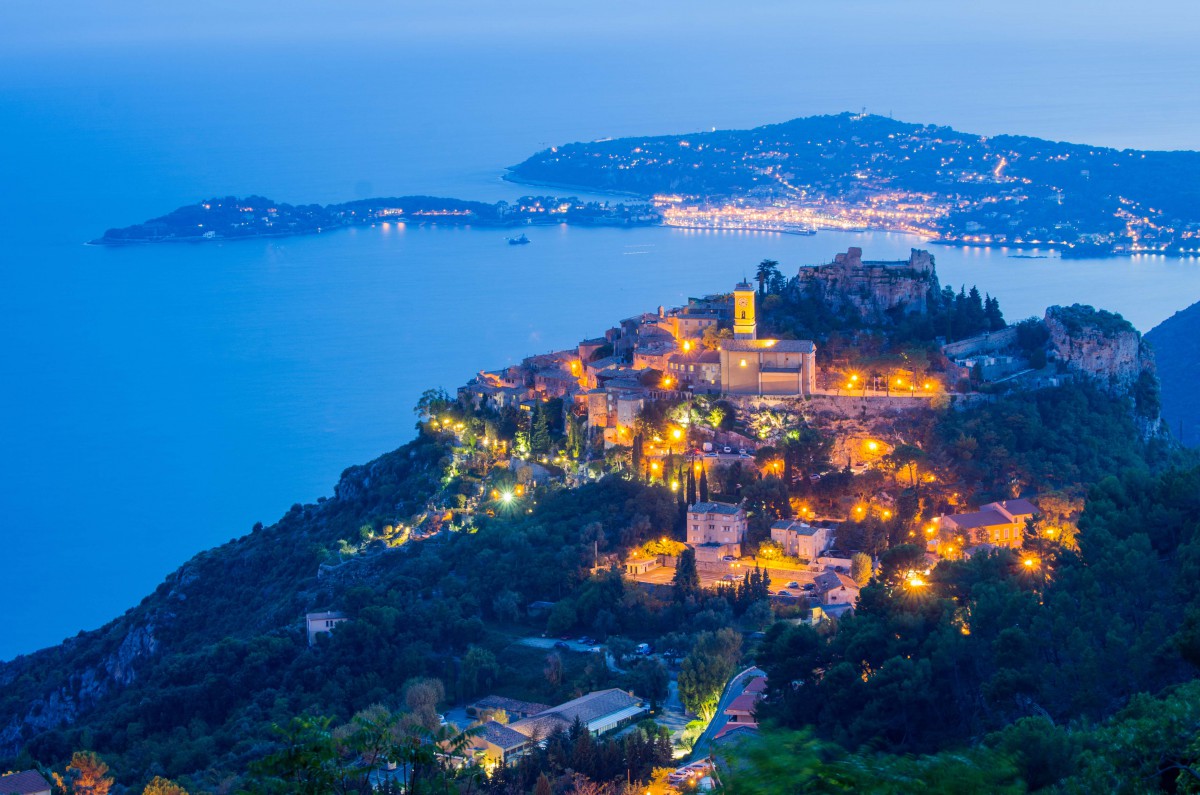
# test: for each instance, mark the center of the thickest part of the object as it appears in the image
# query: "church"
(764, 367)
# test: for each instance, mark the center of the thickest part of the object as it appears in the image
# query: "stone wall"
(989, 342)
(871, 288)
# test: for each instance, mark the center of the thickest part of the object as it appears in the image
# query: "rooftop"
(500, 735)
(715, 507)
(24, 782)
(510, 705)
(779, 346)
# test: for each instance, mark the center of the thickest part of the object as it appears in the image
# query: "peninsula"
(233, 218)
(860, 171)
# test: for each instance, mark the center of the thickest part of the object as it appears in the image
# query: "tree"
(543, 785)
(860, 568)
(479, 670)
(652, 680)
(691, 485)
(553, 670)
(703, 485)
(767, 271)
(539, 435)
(687, 579)
(88, 774)
(163, 786)
(705, 671)
(431, 403)
(422, 696)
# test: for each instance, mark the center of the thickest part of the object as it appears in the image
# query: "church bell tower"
(745, 326)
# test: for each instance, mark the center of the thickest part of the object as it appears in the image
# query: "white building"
(322, 623)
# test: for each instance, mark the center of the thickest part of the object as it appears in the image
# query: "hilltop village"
(795, 463)
(842, 497)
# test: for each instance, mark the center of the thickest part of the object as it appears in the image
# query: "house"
(485, 708)
(599, 712)
(26, 782)
(757, 685)
(320, 624)
(998, 523)
(636, 566)
(740, 711)
(800, 539)
(698, 369)
(716, 530)
(834, 587)
(497, 744)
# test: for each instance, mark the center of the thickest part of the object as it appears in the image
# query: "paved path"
(735, 687)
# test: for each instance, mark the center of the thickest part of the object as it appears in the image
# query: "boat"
(518, 241)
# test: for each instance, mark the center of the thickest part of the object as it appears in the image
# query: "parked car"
(727, 449)
(596, 650)
(562, 645)
(730, 577)
(793, 584)
(784, 593)
(808, 586)
(642, 648)
(729, 558)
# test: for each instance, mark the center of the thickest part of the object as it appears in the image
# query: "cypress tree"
(703, 485)
(691, 485)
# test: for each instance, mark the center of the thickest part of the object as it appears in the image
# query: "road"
(735, 687)
(575, 646)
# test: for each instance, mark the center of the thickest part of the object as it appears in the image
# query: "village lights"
(674, 485)
(872, 445)
(687, 346)
(506, 497)
(887, 514)
(676, 433)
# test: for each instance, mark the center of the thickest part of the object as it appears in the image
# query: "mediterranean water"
(157, 401)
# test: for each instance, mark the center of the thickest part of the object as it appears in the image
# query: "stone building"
(716, 530)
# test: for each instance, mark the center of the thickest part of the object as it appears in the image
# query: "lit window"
(742, 363)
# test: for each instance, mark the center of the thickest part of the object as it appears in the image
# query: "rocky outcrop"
(873, 289)
(1098, 344)
(80, 691)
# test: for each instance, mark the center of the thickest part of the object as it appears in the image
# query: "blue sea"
(157, 401)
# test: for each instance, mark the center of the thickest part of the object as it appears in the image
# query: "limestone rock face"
(873, 288)
(1098, 344)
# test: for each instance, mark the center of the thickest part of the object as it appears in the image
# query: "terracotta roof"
(512, 706)
(743, 703)
(24, 783)
(502, 736)
(757, 685)
(985, 518)
(827, 581)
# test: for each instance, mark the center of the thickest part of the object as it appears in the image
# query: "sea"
(156, 401)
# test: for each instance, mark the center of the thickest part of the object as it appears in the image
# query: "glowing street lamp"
(506, 497)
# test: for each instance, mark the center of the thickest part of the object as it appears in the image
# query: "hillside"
(872, 171)
(456, 561)
(1176, 343)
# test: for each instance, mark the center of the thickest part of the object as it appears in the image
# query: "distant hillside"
(862, 170)
(1176, 344)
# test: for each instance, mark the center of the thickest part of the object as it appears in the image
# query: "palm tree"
(768, 269)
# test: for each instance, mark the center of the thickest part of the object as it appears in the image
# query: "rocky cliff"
(874, 289)
(1099, 344)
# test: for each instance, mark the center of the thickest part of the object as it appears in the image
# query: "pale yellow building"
(766, 367)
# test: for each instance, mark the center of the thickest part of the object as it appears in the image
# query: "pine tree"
(539, 436)
(687, 579)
